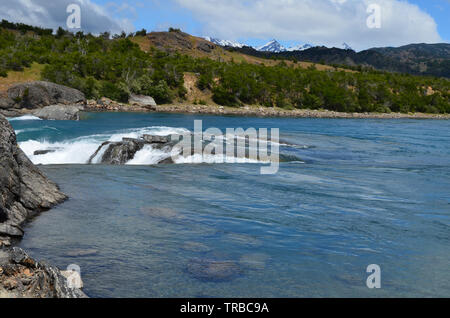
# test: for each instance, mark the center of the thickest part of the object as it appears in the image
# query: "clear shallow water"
(369, 192)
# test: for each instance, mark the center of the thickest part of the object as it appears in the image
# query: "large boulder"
(40, 94)
(142, 101)
(59, 112)
(24, 189)
(6, 103)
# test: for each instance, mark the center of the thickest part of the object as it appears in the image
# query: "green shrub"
(114, 92)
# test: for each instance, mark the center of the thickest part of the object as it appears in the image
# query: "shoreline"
(246, 111)
(255, 111)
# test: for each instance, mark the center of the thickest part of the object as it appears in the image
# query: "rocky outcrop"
(40, 94)
(177, 41)
(6, 103)
(24, 190)
(119, 153)
(23, 277)
(59, 112)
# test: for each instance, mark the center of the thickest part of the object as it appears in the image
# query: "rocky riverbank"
(24, 192)
(255, 111)
(251, 111)
(56, 102)
(42, 99)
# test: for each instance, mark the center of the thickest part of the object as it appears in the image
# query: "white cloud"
(52, 14)
(328, 22)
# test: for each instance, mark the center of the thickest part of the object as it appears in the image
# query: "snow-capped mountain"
(224, 42)
(273, 46)
(300, 47)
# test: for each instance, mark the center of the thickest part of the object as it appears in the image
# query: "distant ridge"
(416, 59)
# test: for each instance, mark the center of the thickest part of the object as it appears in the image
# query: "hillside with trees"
(415, 59)
(101, 66)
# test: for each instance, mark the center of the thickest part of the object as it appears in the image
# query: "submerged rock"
(213, 271)
(162, 213)
(59, 112)
(243, 239)
(196, 247)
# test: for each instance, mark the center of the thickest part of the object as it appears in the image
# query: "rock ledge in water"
(59, 112)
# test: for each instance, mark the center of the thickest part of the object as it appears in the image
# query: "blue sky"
(192, 18)
(440, 11)
(253, 22)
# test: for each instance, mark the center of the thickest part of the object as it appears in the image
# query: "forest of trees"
(116, 67)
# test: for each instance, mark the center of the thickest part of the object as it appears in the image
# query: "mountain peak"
(273, 46)
(224, 42)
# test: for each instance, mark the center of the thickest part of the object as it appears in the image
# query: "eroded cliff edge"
(24, 192)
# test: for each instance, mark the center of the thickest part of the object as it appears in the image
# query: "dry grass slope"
(30, 74)
(200, 48)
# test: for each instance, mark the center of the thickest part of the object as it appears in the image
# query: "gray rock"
(119, 153)
(12, 112)
(42, 152)
(24, 190)
(98, 151)
(6, 103)
(142, 101)
(205, 47)
(151, 139)
(10, 230)
(40, 94)
(59, 112)
(213, 271)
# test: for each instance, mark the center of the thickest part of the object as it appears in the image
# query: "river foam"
(80, 150)
(25, 117)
